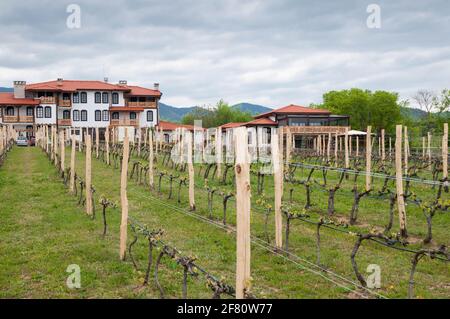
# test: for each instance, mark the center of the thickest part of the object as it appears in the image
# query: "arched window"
(115, 98)
(48, 112)
(98, 115)
(76, 97)
(10, 111)
(98, 97)
(83, 97)
(84, 116)
(105, 97)
(115, 116)
(105, 115)
(66, 115)
(132, 115)
(76, 115)
(30, 111)
(40, 112)
(149, 116)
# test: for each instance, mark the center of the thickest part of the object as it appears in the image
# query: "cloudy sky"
(270, 52)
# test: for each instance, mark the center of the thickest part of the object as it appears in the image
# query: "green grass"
(43, 230)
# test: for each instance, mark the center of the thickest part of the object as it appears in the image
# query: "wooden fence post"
(189, 140)
(88, 174)
(357, 146)
(219, 151)
(429, 149)
(383, 149)
(328, 147)
(336, 150)
(107, 145)
(406, 149)
(399, 181)
(56, 142)
(347, 159)
(72, 165)
(62, 152)
(445, 154)
(123, 196)
(151, 158)
(289, 145)
(368, 158)
(277, 163)
(242, 169)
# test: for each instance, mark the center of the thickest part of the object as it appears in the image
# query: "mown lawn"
(43, 230)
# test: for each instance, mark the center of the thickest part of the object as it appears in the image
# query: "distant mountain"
(3, 89)
(253, 109)
(175, 114)
(413, 113)
(172, 113)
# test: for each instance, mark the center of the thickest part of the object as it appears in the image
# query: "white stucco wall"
(143, 118)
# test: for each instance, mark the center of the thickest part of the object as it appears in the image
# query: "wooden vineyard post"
(289, 145)
(55, 142)
(350, 145)
(347, 159)
(423, 147)
(406, 151)
(242, 170)
(189, 140)
(399, 181)
(151, 157)
(336, 150)
(357, 146)
(429, 149)
(123, 197)
(218, 151)
(107, 145)
(277, 162)
(97, 142)
(62, 152)
(368, 158)
(383, 149)
(88, 174)
(390, 146)
(445, 154)
(328, 147)
(81, 141)
(139, 143)
(72, 165)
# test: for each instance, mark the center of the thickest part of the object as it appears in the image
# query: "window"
(83, 96)
(48, 112)
(105, 116)
(76, 97)
(149, 116)
(40, 112)
(132, 115)
(98, 97)
(83, 115)
(66, 115)
(66, 96)
(115, 98)
(105, 97)
(76, 115)
(133, 99)
(98, 115)
(115, 116)
(30, 111)
(142, 99)
(10, 111)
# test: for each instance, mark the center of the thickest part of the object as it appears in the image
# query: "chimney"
(123, 82)
(105, 80)
(19, 89)
(60, 81)
(156, 86)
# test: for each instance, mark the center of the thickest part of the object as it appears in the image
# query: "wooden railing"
(47, 99)
(65, 103)
(141, 104)
(18, 119)
(124, 122)
(64, 122)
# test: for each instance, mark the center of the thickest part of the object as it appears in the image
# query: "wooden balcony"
(141, 104)
(47, 100)
(124, 122)
(64, 122)
(65, 103)
(18, 119)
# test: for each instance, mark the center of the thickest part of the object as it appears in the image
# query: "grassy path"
(42, 231)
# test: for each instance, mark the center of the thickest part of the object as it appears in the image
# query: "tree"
(425, 99)
(216, 116)
(379, 109)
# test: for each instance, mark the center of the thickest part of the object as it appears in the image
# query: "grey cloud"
(272, 52)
